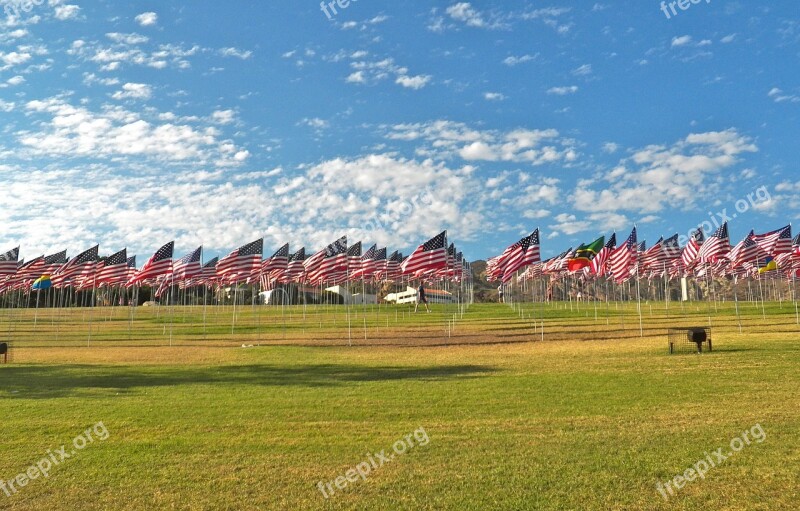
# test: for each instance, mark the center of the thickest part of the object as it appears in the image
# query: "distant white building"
(353, 299)
(410, 296)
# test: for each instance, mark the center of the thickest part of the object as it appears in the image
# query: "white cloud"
(681, 41)
(465, 13)
(657, 177)
(610, 147)
(66, 12)
(728, 39)
(563, 91)
(147, 19)
(356, 77)
(128, 39)
(494, 96)
(13, 58)
(447, 139)
(237, 53)
(535, 214)
(134, 91)
(223, 116)
(779, 96)
(127, 49)
(15, 80)
(584, 70)
(65, 130)
(512, 60)
(569, 224)
(369, 72)
(315, 123)
(413, 82)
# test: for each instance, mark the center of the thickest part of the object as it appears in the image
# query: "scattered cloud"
(659, 177)
(512, 60)
(779, 96)
(584, 70)
(235, 52)
(147, 19)
(563, 91)
(66, 12)
(134, 91)
(681, 41)
(494, 96)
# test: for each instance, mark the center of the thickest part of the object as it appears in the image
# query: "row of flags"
(757, 254)
(335, 264)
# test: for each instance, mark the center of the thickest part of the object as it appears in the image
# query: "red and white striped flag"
(158, 264)
(8, 262)
(598, 264)
(327, 262)
(623, 258)
(241, 264)
(188, 266)
(430, 256)
(113, 269)
(80, 268)
(294, 269)
(718, 245)
(776, 242)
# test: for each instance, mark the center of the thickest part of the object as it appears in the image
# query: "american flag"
(277, 263)
(354, 258)
(8, 262)
(533, 254)
(718, 245)
(131, 267)
(80, 267)
(294, 269)
(158, 264)
(776, 242)
(54, 261)
(623, 258)
(114, 268)
(493, 268)
(534, 271)
(379, 263)
(29, 270)
(208, 273)
(242, 263)
(188, 266)
(598, 264)
(516, 257)
(692, 248)
(430, 256)
(556, 264)
(746, 251)
(365, 268)
(327, 262)
(657, 256)
(393, 265)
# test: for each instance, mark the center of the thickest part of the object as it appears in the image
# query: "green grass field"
(537, 407)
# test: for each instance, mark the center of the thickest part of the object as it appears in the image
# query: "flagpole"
(736, 301)
(91, 311)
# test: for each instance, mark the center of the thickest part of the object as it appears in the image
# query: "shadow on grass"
(45, 381)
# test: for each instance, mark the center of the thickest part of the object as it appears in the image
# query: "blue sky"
(215, 123)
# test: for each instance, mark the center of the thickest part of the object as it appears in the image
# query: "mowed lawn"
(567, 424)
